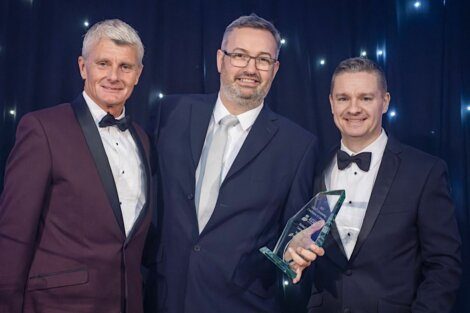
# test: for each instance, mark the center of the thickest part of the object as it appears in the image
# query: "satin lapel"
(201, 113)
(387, 171)
(145, 162)
(261, 133)
(334, 248)
(98, 153)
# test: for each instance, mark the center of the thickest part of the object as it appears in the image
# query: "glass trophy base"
(285, 268)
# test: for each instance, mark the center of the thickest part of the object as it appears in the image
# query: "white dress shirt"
(236, 134)
(358, 185)
(126, 165)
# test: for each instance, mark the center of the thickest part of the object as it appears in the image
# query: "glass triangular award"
(310, 225)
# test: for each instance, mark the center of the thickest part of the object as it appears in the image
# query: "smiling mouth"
(113, 89)
(355, 120)
(247, 81)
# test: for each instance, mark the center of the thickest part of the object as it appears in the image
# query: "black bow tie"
(362, 160)
(109, 120)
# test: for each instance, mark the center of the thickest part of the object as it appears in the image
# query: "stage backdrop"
(423, 45)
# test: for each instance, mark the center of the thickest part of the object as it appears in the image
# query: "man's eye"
(263, 60)
(239, 56)
(102, 64)
(367, 98)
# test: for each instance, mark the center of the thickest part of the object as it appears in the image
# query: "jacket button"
(348, 272)
(197, 248)
(190, 196)
(347, 310)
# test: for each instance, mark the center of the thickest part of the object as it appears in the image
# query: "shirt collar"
(246, 119)
(96, 111)
(377, 148)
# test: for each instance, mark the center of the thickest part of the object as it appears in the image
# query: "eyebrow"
(362, 94)
(246, 52)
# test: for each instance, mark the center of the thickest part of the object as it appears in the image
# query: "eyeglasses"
(262, 63)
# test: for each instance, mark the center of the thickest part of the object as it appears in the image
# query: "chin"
(354, 133)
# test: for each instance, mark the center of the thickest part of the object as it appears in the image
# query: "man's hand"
(302, 258)
(302, 251)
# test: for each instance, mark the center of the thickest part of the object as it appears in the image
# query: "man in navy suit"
(395, 247)
(232, 172)
(75, 209)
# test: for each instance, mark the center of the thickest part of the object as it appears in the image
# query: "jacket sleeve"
(301, 190)
(26, 185)
(440, 245)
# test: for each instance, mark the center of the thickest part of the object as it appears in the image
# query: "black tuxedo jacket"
(407, 256)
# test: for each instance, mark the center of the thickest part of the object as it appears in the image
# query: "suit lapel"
(146, 165)
(98, 153)
(334, 248)
(261, 133)
(201, 113)
(387, 170)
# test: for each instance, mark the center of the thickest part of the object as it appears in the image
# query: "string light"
(322, 62)
(12, 112)
(160, 95)
(283, 41)
(363, 53)
(392, 113)
(417, 4)
(86, 23)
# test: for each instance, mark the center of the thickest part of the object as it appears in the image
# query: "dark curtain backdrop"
(425, 46)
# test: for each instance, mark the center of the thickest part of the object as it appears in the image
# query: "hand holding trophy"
(305, 233)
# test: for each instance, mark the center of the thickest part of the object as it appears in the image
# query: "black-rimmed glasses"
(238, 59)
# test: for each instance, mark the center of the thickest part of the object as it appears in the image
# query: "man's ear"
(81, 67)
(387, 98)
(220, 60)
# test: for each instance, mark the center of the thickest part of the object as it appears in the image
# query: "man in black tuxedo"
(395, 246)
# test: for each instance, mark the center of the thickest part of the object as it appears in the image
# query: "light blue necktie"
(207, 190)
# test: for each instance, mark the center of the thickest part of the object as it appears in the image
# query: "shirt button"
(350, 202)
(197, 248)
(355, 173)
(190, 196)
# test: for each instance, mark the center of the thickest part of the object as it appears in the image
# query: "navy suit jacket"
(63, 247)
(221, 269)
(407, 256)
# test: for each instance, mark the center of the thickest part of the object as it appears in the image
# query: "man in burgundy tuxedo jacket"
(75, 208)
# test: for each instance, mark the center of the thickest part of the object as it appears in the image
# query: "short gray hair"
(359, 64)
(116, 30)
(253, 21)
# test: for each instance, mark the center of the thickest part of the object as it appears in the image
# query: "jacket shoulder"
(51, 113)
(294, 129)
